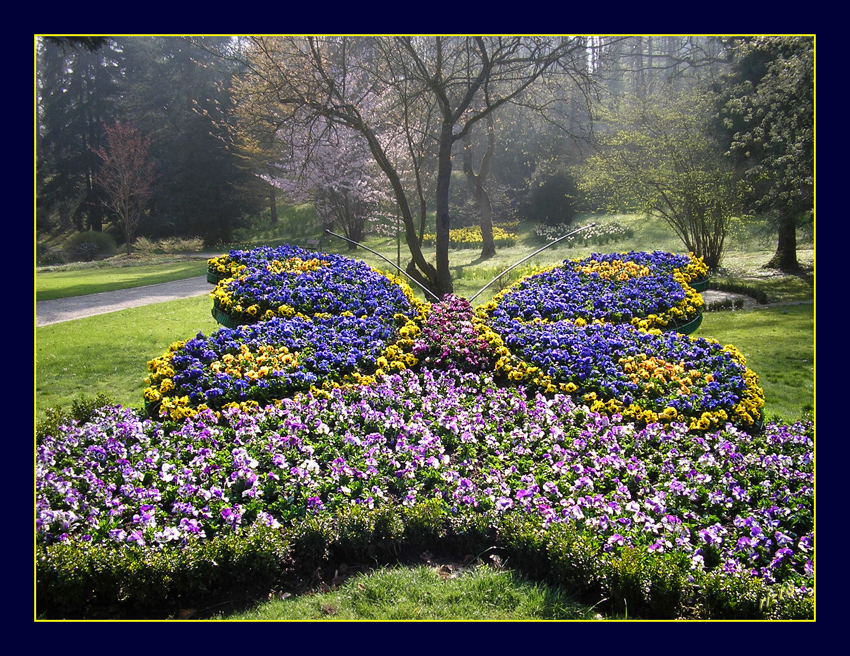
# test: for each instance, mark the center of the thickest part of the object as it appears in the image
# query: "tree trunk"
(419, 268)
(785, 258)
(476, 188)
(273, 205)
(444, 174)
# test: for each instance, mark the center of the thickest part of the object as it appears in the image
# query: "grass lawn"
(779, 345)
(426, 593)
(108, 353)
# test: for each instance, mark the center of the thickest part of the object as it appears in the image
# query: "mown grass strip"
(81, 282)
(426, 593)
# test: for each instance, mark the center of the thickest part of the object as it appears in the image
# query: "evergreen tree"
(177, 91)
(768, 115)
(77, 92)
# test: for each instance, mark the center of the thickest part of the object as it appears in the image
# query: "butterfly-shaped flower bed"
(629, 439)
(588, 328)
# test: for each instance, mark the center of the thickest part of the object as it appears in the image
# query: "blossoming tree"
(126, 176)
(337, 174)
(408, 94)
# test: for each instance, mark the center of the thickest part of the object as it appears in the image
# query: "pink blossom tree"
(126, 176)
(334, 171)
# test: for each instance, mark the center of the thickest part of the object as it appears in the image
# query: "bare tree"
(126, 176)
(408, 97)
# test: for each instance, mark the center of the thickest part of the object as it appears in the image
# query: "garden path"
(78, 307)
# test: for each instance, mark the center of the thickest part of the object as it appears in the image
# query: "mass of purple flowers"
(727, 499)
(450, 338)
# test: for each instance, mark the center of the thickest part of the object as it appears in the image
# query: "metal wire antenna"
(513, 266)
(409, 277)
(432, 294)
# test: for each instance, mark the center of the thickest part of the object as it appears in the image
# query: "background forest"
(199, 138)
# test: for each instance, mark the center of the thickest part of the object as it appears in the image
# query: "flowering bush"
(728, 501)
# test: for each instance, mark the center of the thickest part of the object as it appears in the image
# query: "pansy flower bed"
(640, 445)
(231, 263)
(727, 501)
(648, 376)
(264, 362)
(525, 335)
(470, 237)
(454, 336)
(648, 290)
(275, 283)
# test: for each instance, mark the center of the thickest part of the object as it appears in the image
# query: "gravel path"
(77, 307)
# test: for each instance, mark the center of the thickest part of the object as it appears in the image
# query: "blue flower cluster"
(592, 327)
(287, 280)
(651, 371)
(275, 358)
(617, 287)
(296, 320)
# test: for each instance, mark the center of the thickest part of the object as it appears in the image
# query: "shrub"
(89, 245)
(82, 411)
(554, 200)
(173, 245)
(91, 580)
(47, 257)
(144, 246)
